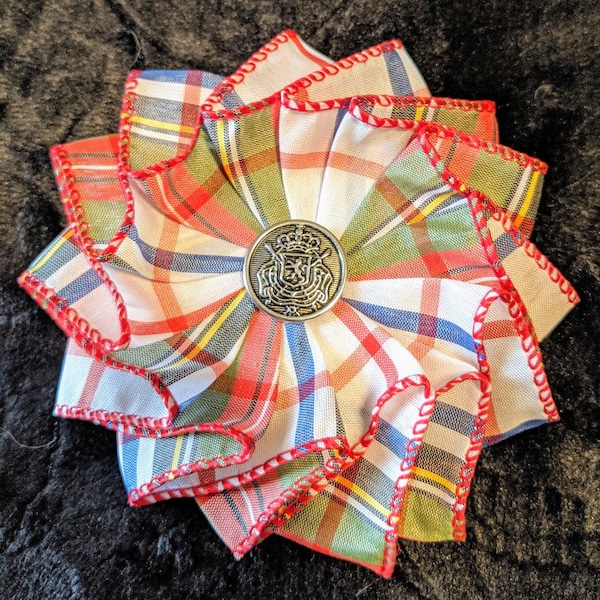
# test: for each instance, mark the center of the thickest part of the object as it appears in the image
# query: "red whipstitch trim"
(390, 551)
(516, 308)
(477, 436)
(288, 95)
(97, 347)
(479, 204)
(228, 85)
(426, 128)
(279, 510)
(75, 213)
(295, 498)
(68, 319)
(430, 101)
(531, 249)
(225, 87)
(148, 493)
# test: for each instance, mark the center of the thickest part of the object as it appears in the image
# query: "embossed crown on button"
(295, 270)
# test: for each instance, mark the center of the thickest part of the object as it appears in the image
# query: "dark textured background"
(66, 531)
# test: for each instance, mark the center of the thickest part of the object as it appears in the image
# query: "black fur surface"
(66, 531)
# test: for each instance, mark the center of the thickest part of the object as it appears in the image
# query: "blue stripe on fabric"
(209, 80)
(391, 438)
(397, 73)
(505, 245)
(305, 374)
(61, 256)
(86, 283)
(235, 511)
(232, 100)
(341, 113)
(415, 323)
(128, 463)
(490, 441)
(186, 263)
(454, 418)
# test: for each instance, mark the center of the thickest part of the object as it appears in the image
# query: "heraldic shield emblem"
(295, 270)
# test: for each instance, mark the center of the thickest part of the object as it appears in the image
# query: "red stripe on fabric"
(303, 50)
(430, 300)
(304, 160)
(374, 350)
(254, 383)
(416, 267)
(498, 329)
(290, 397)
(213, 218)
(165, 295)
(92, 381)
(186, 320)
(190, 108)
(358, 165)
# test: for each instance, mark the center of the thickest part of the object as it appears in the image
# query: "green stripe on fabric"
(257, 141)
(359, 538)
(427, 519)
(495, 177)
(104, 218)
(397, 192)
(204, 166)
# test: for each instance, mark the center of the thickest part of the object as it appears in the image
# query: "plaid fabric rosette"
(303, 295)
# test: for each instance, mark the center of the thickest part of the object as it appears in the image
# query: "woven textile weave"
(364, 424)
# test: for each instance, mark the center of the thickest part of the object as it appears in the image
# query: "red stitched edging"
(289, 101)
(220, 91)
(477, 203)
(531, 249)
(148, 494)
(287, 95)
(486, 204)
(516, 308)
(296, 497)
(99, 349)
(289, 91)
(428, 128)
(145, 494)
(74, 211)
(226, 87)
(69, 320)
(95, 346)
(477, 436)
(305, 487)
(433, 102)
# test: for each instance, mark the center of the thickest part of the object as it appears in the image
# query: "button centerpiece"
(295, 270)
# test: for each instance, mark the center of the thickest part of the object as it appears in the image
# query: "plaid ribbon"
(363, 425)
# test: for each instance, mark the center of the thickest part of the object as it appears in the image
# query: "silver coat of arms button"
(295, 270)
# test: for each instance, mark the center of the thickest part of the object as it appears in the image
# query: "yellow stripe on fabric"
(211, 332)
(53, 250)
(435, 477)
(419, 113)
(528, 198)
(363, 495)
(177, 451)
(223, 149)
(431, 207)
(162, 125)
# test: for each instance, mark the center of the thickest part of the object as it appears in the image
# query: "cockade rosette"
(376, 409)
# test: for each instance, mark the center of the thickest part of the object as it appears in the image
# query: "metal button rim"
(266, 233)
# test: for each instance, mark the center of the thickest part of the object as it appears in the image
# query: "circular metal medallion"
(295, 270)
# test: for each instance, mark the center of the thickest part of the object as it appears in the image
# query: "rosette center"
(295, 270)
